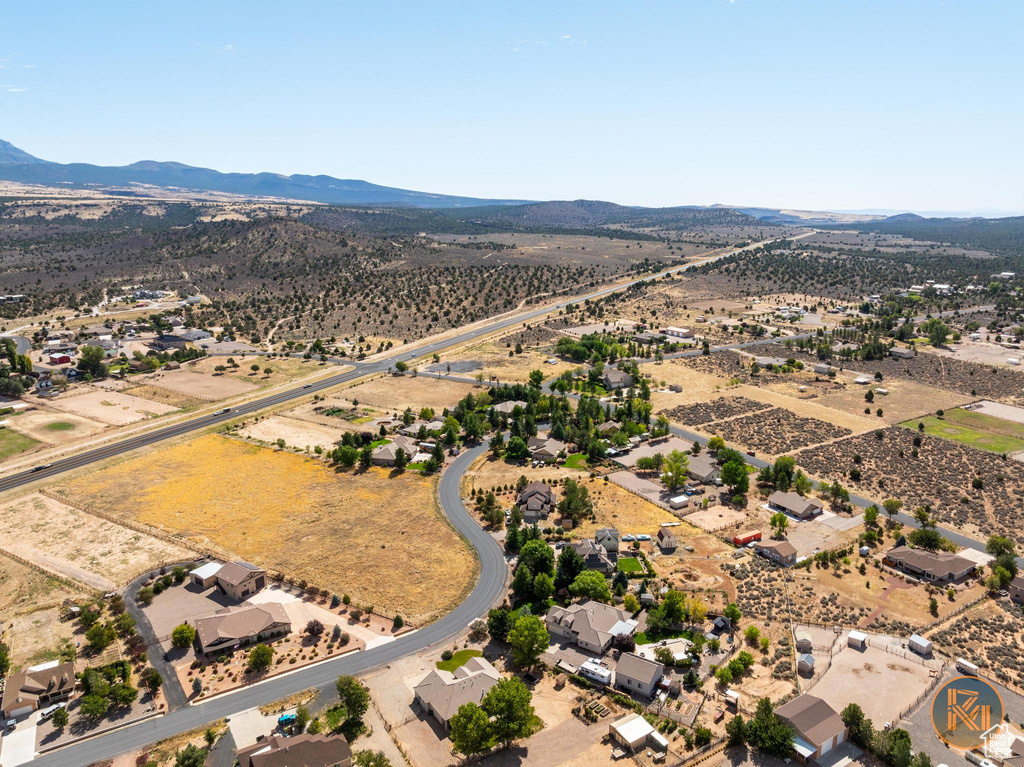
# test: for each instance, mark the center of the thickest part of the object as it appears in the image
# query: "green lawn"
(630, 565)
(967, 428)
(60, 426)
(458, 659)
(12, 443)
(378, 442)
(645, 637)
(577, 461)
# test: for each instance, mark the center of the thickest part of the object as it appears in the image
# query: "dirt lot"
(292, 514)
(100, 554)
(202, 386)
(111, 407)
(54, 428)
(906, 399)
(716, 518)
(166, 396)
(25, 588)
(282, 369)
(295, 433)
(860, 675)
(37, 635)
(495, 362)
(396, 394)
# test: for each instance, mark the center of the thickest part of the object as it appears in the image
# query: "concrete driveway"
(248, 726)
(19, 745)
(301, 612)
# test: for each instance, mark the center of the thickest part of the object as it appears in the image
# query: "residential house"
(608, 427)
(609, 538)
(1017, 589)
(413, 429)
(795, 505)
(507, 407)
(616, 379)
(931, 566)
(770, 362)
(240, 580)
(241, 625)
(195, 335)
(704, 468)
(666, 540)
(385, 455)
(675, 332)
(168, 341)
(442, 692)
(638, 675)
(535, 501)
(821, 368)
(594, 556)
(816, 725)
(589, 624)
(780, 552)
(26, 691)
(546, 449)
(298, 751)
(900, 353)
(110, 347)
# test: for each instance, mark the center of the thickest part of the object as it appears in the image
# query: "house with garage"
(535, 501)
(780, 552)
(795, 505)
(594, 556)
(901, 354)
(638, 675)
(703, 468)
(817, 727)
(387, 454)
(241, 625)
(609, 538)
(298, 751)
(546, 449)
(442, 692)
(616, 379)
(240, 580)
(37, 686)
(589, 624)
(929, 566)
(506, 408)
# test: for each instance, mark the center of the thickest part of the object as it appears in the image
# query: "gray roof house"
(934, 566)
(795, 504)
(616, 379)
(299, 751)
(591, 625)
(507, 407)
(546, 448)
(241, 625)
(536, 502)
(609, 538)
(442, 692)
(704, 468)
(385, 454)
(594, 555)
(638, 675)
(780, 552)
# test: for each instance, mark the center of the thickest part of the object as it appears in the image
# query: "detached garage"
(206, 576)
(920, 645)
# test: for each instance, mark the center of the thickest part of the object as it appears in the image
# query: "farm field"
(416, 392)
(100, 554)
(294, 515)
(12, 443)
(54, 428)
(979, 430)
(110, 407)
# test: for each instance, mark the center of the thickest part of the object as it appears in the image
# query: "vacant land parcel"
(110, 407)
(294, 515)
(977, 429)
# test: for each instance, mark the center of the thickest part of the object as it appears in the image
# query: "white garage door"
(826, 747)
(23, 711)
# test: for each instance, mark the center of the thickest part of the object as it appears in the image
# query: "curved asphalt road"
(489, 587)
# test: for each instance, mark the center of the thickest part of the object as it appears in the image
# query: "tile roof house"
(240, 580)
(241, 625)
(795, 504)
(934, 566)
(780, 552)
(594, 555)
(616, 379)
(299, 751)
(703, 468)
(536, 501)
(817, 726)
(638, 675)
(385, 455)
(26, 690)
(591, 625)
(442, 692)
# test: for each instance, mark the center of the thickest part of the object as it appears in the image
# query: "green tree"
(522, 583)
(183, 636)
(367, 758)
(259, 659)
(543, 586)
(190, 756)
(736, 731)
(151, 679)
(516, 449)
(768, 733)
(802, 483)
(99, 636)
(570, 564)
(892, 507)
(93, 706)
(528, 639)
(507, 704)
(592, 585)
(470, 731)
(575, 503)
(732, 612)
(352, 697)
(536, 379)
(778, 522)
(538, 557)
(926, 538)
(499, 623)
(674, 472)
(735, 476)
(90, 361)
(861, 730)
(871, 514)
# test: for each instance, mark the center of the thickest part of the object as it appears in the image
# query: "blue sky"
(817, 104)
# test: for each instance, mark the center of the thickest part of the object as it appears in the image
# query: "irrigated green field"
(979, 430)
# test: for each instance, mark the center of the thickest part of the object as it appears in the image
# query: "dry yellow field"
(380, 539)
(495, 362)
(25, 588)
(416, 392)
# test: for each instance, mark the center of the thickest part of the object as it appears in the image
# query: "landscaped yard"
(577, 461)
(979, 430)
(630, 565)
(458, 658)
(295, 515)
(12, 443)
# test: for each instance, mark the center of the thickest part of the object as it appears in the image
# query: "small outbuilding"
(920, 645)
(858, 640)
(803, 640)
(206, 576)
(745, 537)
(805, 664)
(636, 733)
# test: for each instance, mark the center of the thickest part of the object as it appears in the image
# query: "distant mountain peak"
(11, 155)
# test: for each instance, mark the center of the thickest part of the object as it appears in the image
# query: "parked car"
(49, 711)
